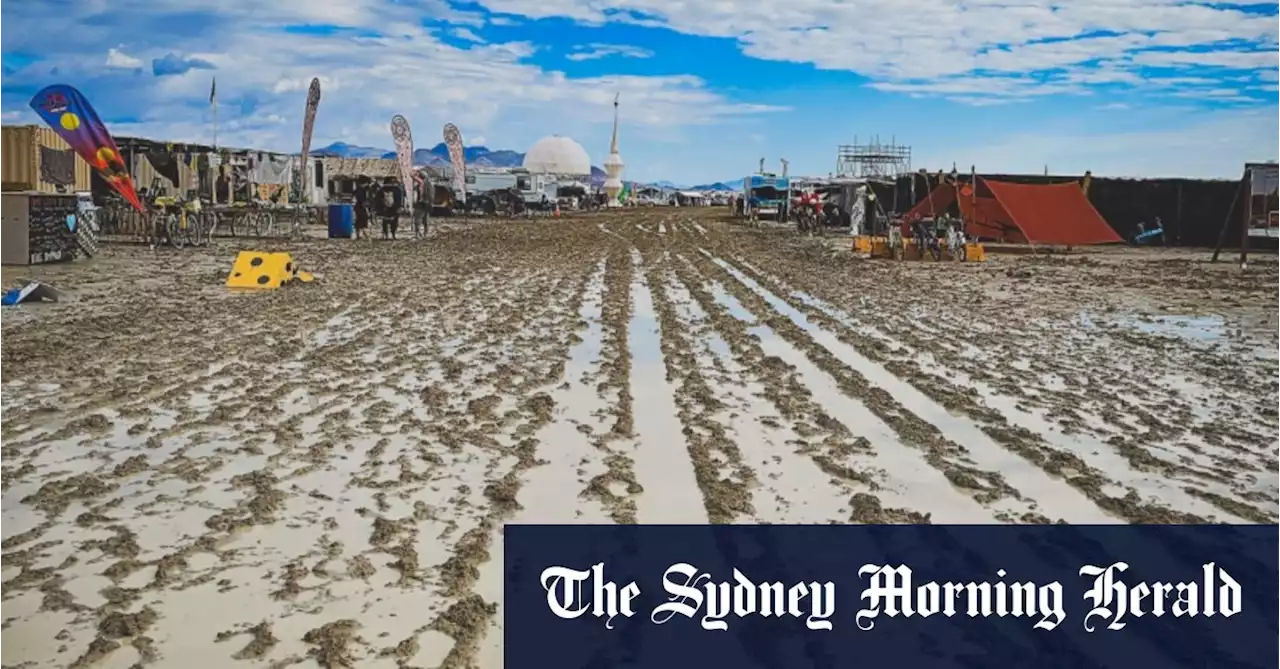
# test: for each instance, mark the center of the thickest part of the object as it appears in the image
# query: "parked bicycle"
(178, 222)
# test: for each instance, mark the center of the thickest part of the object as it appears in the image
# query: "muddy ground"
(320, 475)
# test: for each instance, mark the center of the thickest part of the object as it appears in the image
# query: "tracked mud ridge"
(941, 452)
(823, 439)
(616, 487)
(724, 480)
(319, 476)
(1027, 443)
(466, 621)
(384, 388)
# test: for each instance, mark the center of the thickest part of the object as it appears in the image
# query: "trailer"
(509, 191)
(767, 196)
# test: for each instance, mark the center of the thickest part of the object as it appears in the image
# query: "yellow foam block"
(258, 270)
(975, 253)
(861, 244)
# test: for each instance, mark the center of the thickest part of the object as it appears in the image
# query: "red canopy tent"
(1058, 214)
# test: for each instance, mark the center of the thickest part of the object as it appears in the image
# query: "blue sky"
(1119, 87)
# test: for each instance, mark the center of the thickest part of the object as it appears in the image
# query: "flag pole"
(213, 99)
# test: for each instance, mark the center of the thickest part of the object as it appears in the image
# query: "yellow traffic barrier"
(259, 270)
(878, 247)
(974, 253)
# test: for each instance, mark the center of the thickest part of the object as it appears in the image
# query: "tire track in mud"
(266, 496)
(826, 441)
(660, 460)
(574, 456)
(469, 618)
(792, 487)
(722, 478)
(616, 488)
(945, 455)
(1063, 465)
(975, 398)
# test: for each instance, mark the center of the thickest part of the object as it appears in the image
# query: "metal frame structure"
(874, 160)
(1257, 183)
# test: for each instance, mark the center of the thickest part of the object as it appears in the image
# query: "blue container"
(342, 221)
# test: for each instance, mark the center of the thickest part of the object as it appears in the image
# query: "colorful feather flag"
(453, 140)
(71, 116)
(308, 124)
(403, 139)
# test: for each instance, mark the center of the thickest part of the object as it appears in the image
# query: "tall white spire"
(613, 166)
(613, 143)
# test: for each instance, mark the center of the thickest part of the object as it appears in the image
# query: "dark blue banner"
(904, 597)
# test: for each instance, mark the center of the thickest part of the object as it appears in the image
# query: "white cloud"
(478, 140)
(918, 42)
(972, 52)
(487, 89)
(596, 51)
(467, 34)
(1240, 60)
(121, 60)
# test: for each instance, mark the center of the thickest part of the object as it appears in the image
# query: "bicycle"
(165, 228)
(806, 221)
(264, 220)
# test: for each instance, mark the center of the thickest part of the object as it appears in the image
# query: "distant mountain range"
(483, 156)
(437, 155)
(735, 185)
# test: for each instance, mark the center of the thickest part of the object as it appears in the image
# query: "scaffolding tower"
(873, 160)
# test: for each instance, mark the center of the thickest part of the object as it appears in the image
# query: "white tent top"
(557, 155)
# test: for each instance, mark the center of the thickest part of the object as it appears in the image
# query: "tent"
(1058, 214)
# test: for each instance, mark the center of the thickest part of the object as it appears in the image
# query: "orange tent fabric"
(1058, 214)
(936, 202)
(985, 219)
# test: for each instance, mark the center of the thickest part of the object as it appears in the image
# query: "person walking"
(389, 202)
(422, 205)
(361, 194)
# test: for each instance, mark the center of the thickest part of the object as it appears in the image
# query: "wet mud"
(319, 476)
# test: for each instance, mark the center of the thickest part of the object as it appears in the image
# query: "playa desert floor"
(320, 475)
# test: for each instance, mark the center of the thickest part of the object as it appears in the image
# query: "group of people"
(385, 200)
(928, 233)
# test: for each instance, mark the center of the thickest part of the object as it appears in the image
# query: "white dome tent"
(557, 155)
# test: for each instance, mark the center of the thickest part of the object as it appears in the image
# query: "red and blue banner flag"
(71, 116)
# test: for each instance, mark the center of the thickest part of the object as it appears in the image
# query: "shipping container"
(21, 152)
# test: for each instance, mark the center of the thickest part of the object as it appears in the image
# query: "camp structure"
(1052, 214)
(222, 175)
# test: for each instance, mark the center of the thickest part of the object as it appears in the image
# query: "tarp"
(1058, 214)
(985, 218)
(1051, 213)
(936, 202)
